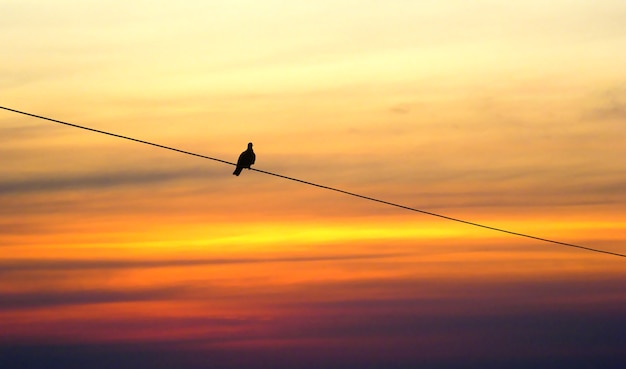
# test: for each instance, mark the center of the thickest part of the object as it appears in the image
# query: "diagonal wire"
(321, 186)
(118, 136)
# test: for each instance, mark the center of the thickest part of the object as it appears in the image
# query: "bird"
(246, 159)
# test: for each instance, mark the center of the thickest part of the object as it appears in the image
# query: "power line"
(320, 186)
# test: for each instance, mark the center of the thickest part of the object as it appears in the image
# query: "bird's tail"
(237, 171)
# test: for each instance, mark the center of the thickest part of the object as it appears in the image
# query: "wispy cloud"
(41, 299)
(612, 105)
(415, 319)
(16, 133)
(51, 183)
(17, 265)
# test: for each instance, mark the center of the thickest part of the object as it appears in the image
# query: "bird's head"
(250, 145)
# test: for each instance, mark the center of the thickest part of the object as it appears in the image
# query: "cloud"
(51, 183)
(400, 109)
(330, 355)
(420, 321)
(39, 299)
(16, 265)
(15, 133)
(612, 105)
(19, 228)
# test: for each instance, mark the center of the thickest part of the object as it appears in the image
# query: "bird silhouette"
(246, 159)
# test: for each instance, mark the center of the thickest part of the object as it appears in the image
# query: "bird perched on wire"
(246, 159)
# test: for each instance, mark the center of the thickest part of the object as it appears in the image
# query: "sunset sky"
(118, 254)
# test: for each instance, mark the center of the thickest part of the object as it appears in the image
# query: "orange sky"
(509, 115)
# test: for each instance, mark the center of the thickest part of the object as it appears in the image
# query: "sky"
(118, 254)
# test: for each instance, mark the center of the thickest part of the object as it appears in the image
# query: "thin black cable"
(321, 186)
(118, 136)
